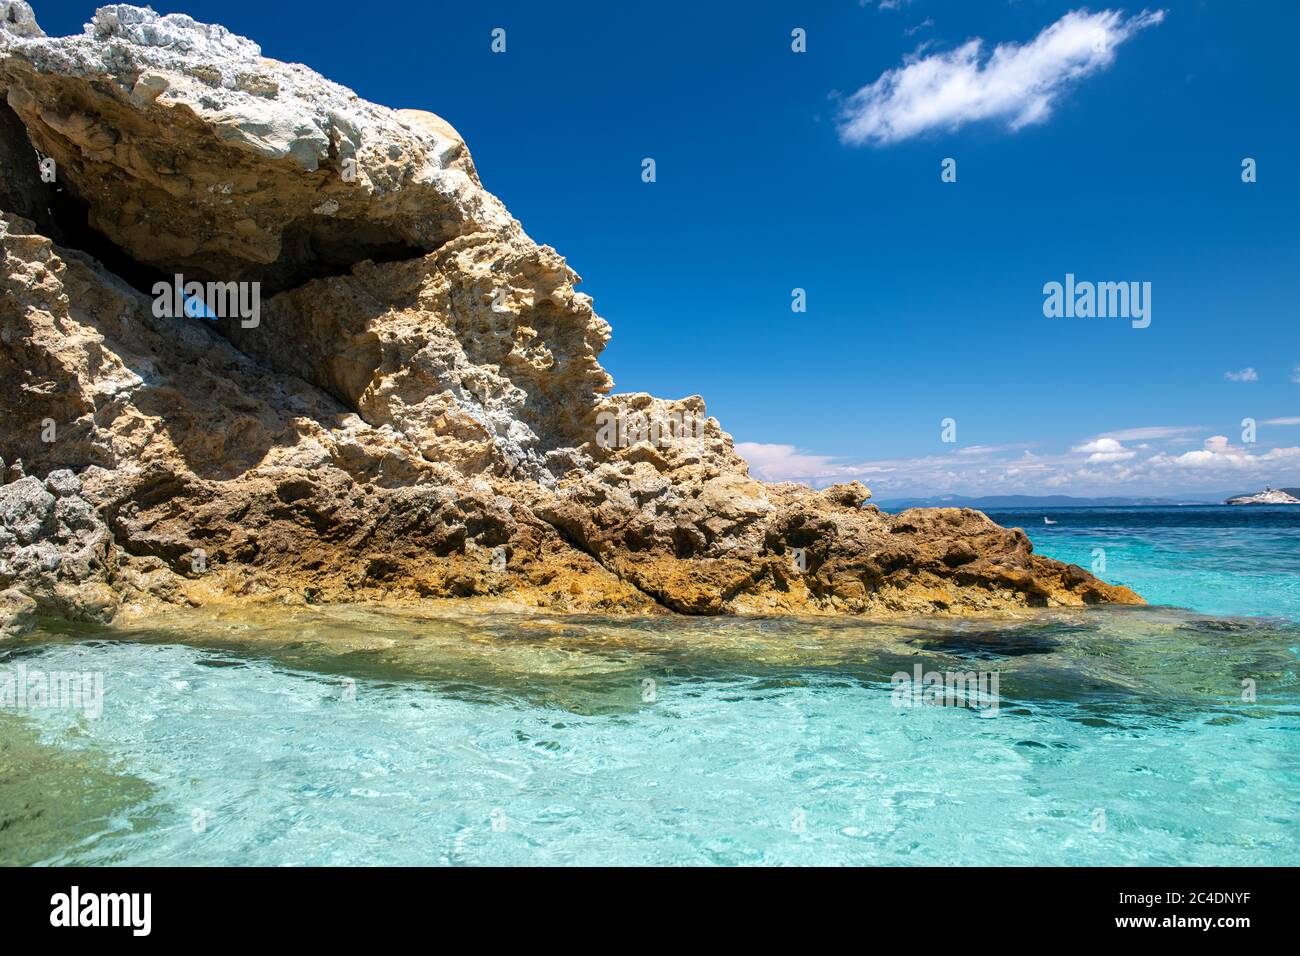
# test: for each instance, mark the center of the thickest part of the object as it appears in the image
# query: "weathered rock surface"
(184, 444)
(419, 411)
(195, 153)
(56, 553)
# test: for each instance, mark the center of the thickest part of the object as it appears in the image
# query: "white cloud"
(1104, 450)
(1217, 450)
(1152, 432)
(1245, 375)
(988, 449)
(1295, 373)
(1098, 466)
(781, 462)
(1281, 421)
(1220, 453)
(769, 462)
(1016, 83)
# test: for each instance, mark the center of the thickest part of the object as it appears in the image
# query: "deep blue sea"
(307, 736)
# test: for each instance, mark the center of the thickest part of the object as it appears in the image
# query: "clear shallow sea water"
(312, 736)
(1214, 559)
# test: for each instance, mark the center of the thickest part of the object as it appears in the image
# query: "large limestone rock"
(481, 353)
(418, 411)
(216, 476)
(194, 152)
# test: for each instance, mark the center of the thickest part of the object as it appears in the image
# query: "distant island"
(1269, 496)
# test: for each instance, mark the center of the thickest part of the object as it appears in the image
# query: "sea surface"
(1216, 559)
(308, 736)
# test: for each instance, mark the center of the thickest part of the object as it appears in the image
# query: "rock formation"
(415, 409)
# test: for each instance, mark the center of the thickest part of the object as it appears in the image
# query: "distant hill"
(987, 502)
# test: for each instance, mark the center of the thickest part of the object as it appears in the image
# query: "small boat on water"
(1047, 520)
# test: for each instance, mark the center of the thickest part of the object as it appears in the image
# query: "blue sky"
(1104, 141)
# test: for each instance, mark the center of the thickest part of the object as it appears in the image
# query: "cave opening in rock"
(56, 210)
(322, 247)
(313, 248)
(74, 231)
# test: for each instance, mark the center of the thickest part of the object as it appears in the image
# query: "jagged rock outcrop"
(195, 153)
(481, 353)
(417, 409)
(184, 444)
(56, 553)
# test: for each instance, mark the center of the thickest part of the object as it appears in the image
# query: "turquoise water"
(1213, 559)
(309, 736)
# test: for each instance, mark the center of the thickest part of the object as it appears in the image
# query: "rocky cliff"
(260, 338)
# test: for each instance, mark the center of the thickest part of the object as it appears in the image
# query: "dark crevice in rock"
(21, 189)
(74, 231)
(309, 252)
(577, 544)
(55, 208)
(313, 248)
(323, 247)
